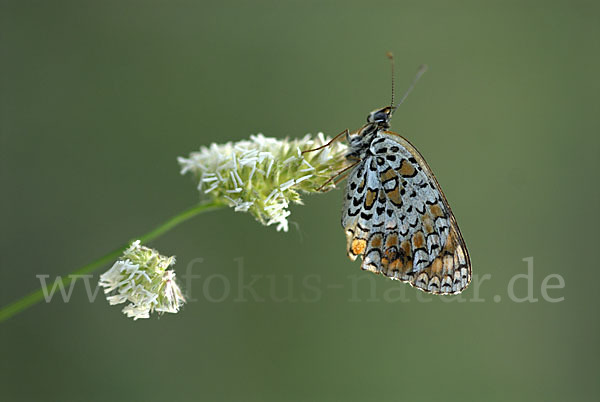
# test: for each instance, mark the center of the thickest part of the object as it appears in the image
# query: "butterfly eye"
(378, 116)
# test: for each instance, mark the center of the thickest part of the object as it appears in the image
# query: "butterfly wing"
(398, 220)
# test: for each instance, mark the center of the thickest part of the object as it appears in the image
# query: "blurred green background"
(99, 98)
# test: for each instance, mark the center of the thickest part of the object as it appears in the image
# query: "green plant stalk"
(35, 297)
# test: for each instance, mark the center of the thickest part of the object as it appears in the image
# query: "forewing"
(398, 220)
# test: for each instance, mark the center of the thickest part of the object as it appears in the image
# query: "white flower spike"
(141, 278)
(263, 175)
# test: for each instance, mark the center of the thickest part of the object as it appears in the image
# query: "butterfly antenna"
(420, 72)
(391, 57)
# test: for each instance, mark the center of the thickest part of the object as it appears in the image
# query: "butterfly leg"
(343, 173)
(346, 131)
(340, 178)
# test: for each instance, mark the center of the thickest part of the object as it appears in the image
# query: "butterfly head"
(380, 117)
(377, 120)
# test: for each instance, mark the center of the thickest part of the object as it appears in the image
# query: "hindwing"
(398, 220)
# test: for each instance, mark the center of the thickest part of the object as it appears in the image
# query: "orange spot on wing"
(376, 241)
(436, 210)
(358, 246)
(396, 265)
(391, 240)
(406, 257)
(436, 266)
(406, 248)
(418, 240)
(448, 264)
(394, 196)
(388, 175)
(406, 168)
(427, 224)
(370, 199)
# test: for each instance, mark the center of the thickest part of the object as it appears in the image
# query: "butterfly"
(395, 215)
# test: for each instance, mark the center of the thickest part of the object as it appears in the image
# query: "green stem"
(35, 297)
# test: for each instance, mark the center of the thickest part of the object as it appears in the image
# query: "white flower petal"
(264, 173)
(141, 278)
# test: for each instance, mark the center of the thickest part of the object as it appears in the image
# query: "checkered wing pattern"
(397, 219)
